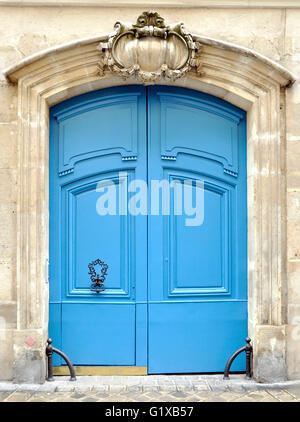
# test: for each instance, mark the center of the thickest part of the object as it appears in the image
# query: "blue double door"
(152, 182)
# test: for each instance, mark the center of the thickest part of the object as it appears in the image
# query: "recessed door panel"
(87, 231)
(192, 268)
(86, 131)
(202, 128)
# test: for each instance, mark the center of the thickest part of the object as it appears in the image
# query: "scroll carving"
(150, 50)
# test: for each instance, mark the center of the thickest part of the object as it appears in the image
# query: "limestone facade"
(250, 57)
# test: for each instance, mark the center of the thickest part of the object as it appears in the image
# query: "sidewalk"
(163, 388)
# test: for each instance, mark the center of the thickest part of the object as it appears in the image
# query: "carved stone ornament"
(150, 50)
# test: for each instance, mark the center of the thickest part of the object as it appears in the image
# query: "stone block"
(269, 354)
(293, 152)
(293, 205)
(292, 34)
(29, 357)
(293, 351)
(294, 315)
(293, 240)
(8, 145)
(6, 355)
(8, 313)
(293, 272)
(8, 232)
(293, 180)
(8, 186)
(7, 280)
(29, 367)
(292, 124)
(8, 103)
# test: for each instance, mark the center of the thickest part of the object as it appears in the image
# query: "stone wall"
(26, 30)
(291, 59)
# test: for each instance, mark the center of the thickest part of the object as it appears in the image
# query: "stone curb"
(147, 384)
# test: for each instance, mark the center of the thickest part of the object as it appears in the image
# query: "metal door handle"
(97, 282)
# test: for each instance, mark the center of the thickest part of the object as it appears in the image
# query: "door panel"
(197, 274)
(99, 333)
(195, 336)
(110, 235)
(190, 267)
(198, 125)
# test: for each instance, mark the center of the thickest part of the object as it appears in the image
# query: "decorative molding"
(169, 157)
(150, 50)
(65, 172)
(220, 4)
(230, 172)
(14, 72)
(129, 158)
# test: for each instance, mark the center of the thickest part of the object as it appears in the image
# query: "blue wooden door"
(95, 138)
(197, 301)
(176, 285)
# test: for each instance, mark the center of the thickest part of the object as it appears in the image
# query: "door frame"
(255, 84)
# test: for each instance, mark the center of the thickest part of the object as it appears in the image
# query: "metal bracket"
(49, 352)
(248, 349)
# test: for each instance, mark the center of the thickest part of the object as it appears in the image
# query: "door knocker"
(97, 282)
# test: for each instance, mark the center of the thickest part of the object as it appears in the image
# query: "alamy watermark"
(161, 197)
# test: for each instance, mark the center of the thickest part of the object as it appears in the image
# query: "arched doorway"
(234, 73)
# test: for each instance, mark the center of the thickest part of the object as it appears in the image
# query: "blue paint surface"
(176, 296)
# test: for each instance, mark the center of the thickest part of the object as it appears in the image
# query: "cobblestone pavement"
(153, 388)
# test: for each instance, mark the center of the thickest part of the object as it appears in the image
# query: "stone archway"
(236, 74)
